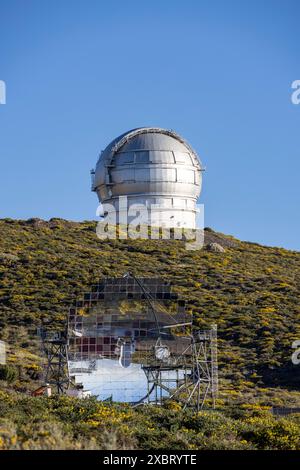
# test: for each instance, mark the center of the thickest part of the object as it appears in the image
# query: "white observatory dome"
(155, 168)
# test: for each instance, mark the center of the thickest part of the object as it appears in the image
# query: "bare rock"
(215, 247)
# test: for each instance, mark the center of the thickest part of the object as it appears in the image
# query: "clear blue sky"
(80, 72)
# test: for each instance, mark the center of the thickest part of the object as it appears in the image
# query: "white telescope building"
(157, 173)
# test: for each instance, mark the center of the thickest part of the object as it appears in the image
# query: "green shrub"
(8, 373)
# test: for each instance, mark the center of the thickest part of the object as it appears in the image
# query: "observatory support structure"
(194, 379)
(55, 347)
(139, 326)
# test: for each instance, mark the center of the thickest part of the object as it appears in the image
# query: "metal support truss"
(194, 379)
(55, 347)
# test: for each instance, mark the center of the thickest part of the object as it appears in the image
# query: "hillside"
(250, 291)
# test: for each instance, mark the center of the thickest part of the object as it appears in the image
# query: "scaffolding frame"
(196, 378)
(55, 348)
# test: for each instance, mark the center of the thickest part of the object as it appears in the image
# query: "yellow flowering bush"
(62, 422)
